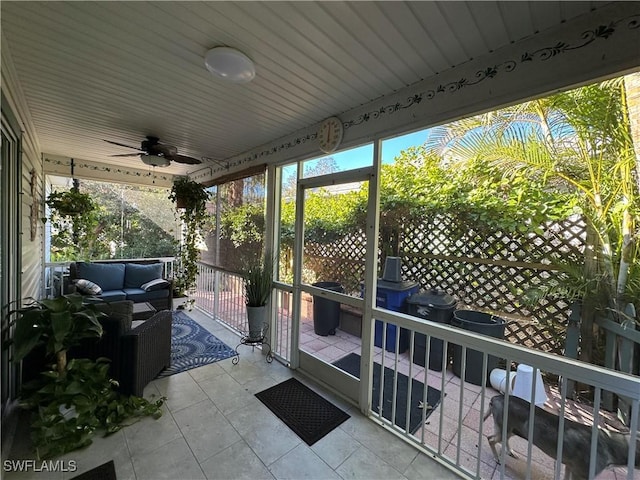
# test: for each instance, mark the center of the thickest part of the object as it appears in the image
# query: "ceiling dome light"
(155, 160)
(230, 65)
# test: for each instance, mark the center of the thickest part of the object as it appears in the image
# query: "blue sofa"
(138, 281)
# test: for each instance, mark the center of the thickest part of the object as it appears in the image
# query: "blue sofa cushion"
(139, 295)
(110, 276)
(113, 295)
(138, 274)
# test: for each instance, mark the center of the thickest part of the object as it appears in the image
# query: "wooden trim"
(230, 177)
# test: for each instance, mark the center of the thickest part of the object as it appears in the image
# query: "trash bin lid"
(396, 286)
(433, 298)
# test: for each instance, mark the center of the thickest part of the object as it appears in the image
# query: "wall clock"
(330, 134)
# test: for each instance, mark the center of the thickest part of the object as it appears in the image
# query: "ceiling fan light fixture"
(230, 65)
(155, 160)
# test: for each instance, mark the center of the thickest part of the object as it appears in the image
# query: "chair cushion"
(157, 284)
(139, 295)
(110, 276)
(88, 287)
(138, 274)
(113, 295)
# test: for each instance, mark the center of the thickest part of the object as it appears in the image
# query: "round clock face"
(330, 134)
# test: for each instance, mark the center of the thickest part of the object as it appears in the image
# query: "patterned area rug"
(305, 412)
(193, 346)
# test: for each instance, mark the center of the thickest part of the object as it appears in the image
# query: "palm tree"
(577, 141)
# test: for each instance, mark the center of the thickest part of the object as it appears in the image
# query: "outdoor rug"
(193, 346)
(305, 412)
(351, 365)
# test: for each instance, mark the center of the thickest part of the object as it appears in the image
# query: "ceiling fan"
(156, 154)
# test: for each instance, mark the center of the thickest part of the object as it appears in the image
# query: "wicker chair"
(137, 354)
(145, 352)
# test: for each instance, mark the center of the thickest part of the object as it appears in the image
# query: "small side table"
(245, 339)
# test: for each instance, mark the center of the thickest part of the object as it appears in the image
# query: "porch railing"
(220, 293)
(459, 416)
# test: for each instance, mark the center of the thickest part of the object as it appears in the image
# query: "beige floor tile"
(267, 436)
(149, 434)
(302, 463)
(424, 467)
(364, 464)
(171, 461)
(237, 462)
(335, 447)
(205, 429)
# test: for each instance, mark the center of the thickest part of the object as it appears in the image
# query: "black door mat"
(351, 365)
(305, 412)
(106, 471)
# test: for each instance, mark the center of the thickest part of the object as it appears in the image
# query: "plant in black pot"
(258, 285)
(72, 398)
(191, 199)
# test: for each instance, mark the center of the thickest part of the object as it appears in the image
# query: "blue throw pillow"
(137, 274)
(110, 276)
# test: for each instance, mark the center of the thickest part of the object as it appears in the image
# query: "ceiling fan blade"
(184, 159)
(122, 145)
(126, 155)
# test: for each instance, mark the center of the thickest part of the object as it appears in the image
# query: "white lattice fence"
(483, 268)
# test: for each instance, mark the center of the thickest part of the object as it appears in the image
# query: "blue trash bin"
(393, 296)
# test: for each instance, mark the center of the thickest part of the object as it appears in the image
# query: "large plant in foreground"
(71, 399)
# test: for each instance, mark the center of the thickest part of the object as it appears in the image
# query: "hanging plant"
(70, 203)
(191, 199)
(73, 223)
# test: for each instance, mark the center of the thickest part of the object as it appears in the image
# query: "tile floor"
(213, 427)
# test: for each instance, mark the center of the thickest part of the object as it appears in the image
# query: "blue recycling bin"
(393, 296)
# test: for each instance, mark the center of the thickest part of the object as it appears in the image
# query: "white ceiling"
(122, 70)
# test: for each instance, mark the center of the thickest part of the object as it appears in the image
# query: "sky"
(362, 156)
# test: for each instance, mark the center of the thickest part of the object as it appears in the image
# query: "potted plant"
(73, 398)
(193, 199)
(258, 285)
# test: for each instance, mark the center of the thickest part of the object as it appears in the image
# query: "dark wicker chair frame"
(137, 354)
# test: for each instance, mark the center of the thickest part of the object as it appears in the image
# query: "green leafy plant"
(193, 199)
(71, 400)
(73, 222)
(58, 324)
(70, 202)
(258, 281)
(68, 409)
